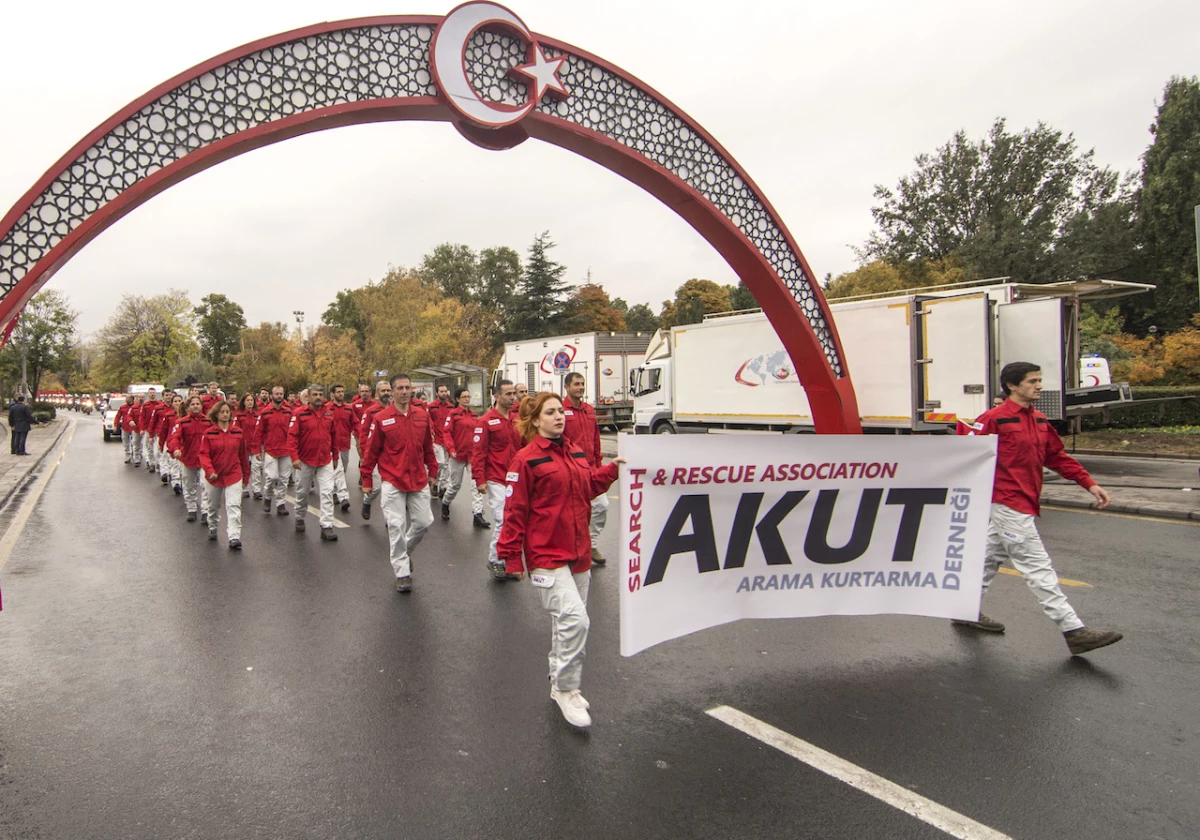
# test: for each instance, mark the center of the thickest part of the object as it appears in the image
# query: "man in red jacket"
(439, 410)
(383, 398)
(400, 443)
(211, 397)
(496, 443)
(312, 449)
(124, 421)
(343, 423)
(146, 428)
(273, 424)
(583, 431)
(1027, 443)
(163, 419)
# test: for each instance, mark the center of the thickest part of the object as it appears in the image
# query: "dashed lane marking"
(1064, 581)
(1136, 516)
(337, 523)
(9, 542)
(926, 810)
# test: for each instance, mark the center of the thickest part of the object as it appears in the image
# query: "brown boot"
(988, 625)
(1083, 639)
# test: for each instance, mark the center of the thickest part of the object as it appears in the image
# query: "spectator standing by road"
(185, 443)
(226, 467)
(311, 446)
(277, 464)
(550, 485)
(495, 445)
(399, 442)
(459, 436)
(1028, 443)
(20, 421)
(583, 431)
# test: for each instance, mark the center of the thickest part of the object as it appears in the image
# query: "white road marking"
(9, 542)
(337, 523)
(926, 810)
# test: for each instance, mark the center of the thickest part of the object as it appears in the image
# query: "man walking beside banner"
(312, 449)
(496, 444)
(400, 443)
(583, 431)
(1027, 443)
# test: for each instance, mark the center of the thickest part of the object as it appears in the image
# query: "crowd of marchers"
(535, 460)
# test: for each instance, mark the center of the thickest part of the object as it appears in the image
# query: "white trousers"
(459, 472)
(127, 442)
(564, 596)
(164, 460)
(148, 444)
(306, 476)
(408, 517)
(195, 491)
(135, 447)
(339, 475)
(495, 499)
(256, 474)
(1013, 535)
(277, 471)
(228, 499)
(440, 453)
(599, 516)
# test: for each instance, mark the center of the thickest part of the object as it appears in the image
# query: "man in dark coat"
(20, 420)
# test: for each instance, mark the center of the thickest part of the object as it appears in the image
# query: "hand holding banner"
(716, 528)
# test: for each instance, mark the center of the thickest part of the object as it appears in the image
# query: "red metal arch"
(831, 396)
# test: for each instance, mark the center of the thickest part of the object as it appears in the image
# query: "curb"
(1131, 509)
(21, 482)
(1164, 456)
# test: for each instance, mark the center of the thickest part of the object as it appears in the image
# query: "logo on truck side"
(558, 361)
(766, 369)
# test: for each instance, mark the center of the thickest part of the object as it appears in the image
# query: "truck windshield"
(646, 381)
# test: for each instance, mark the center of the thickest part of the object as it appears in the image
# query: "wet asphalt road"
(155, 685)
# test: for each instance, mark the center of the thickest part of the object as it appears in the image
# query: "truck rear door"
(1032, 331)
(953, 377)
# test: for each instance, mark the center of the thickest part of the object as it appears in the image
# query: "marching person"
(343, 423)
(226, 467)
(312, 449)
(459, 435)
(146, 425)
(1028, 443)
(264, 397)
(185, 443)
(246, 418)
(164, 418)
(174, 468)
(439, 410)
(210, 397)
(521, 395)
(383, 398)
(272, 437)
(400, 444)
(124, 422)
(135, 424)
(550, 485)
(584, 432)
(496, 444)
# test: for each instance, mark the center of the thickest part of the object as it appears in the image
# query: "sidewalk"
(15, 468)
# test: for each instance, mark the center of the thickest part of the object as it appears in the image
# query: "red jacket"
(438, 411)
(549, 506)
(402, 447)
(1027, 442)
(366, 413)
(208, 401)
(223, 452)
(124, 420)
(581, 429)
(310, 437)
(185, 438)
(247, 421)
(459, 434)
(164, 418)
(146, 416)
(496, 444)
(343, 424)
(272, 434)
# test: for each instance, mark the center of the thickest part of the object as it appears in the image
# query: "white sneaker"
(577, 698)
(571, 703)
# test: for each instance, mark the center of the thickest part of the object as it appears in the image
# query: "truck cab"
(650, 385)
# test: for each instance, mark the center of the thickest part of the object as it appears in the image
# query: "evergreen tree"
(542, 295)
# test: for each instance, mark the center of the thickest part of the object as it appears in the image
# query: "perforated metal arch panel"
(388, 62)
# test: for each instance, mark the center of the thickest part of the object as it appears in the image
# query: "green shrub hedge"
(1173, 413)
(43, 408)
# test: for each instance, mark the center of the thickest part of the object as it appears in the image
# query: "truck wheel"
(664, 429)
(106, 435)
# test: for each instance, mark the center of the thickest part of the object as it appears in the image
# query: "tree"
(642, 318)
(344, 314)
(881, 276)
(189, 371)
(499, 273)
(44, 337)
(538, 307)
(336, 358)
(220, 323)
(145, 338)
(268, 357)
(741, 298)
(1000, 207)
(1166, 223)
(453, 269)
(590, 310)
(693, 300)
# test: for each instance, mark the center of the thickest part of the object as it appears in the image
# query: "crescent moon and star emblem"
(448, 53)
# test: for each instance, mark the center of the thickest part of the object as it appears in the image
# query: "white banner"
(715, 528)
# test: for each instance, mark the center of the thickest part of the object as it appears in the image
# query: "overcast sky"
(818, 102)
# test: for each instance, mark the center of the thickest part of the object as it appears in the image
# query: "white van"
(1093, 371)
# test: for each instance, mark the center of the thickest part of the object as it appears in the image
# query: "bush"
(1174, 413)
(43, 408)
(42, 417)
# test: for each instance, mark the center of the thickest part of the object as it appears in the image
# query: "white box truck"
(606, 360)
(919, 361)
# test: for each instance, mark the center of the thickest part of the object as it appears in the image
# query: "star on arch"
(543, 72)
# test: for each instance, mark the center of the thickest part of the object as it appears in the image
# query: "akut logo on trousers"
(449, 51)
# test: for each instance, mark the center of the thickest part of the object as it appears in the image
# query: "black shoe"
(300, 526)
(598, 559)
(267, 504)
(404, 584)
(258, 497)
(497, 570)
(204, 519)
(212, 534)
(329, 535)
(480, 522)
(166, 479)
(235, 545)
(345, 505)
(445, 511)
(1083, 639)
(366, 510)
(191, 516)
(282, 509)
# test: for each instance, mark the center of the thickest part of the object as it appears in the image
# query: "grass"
(1167, 440)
